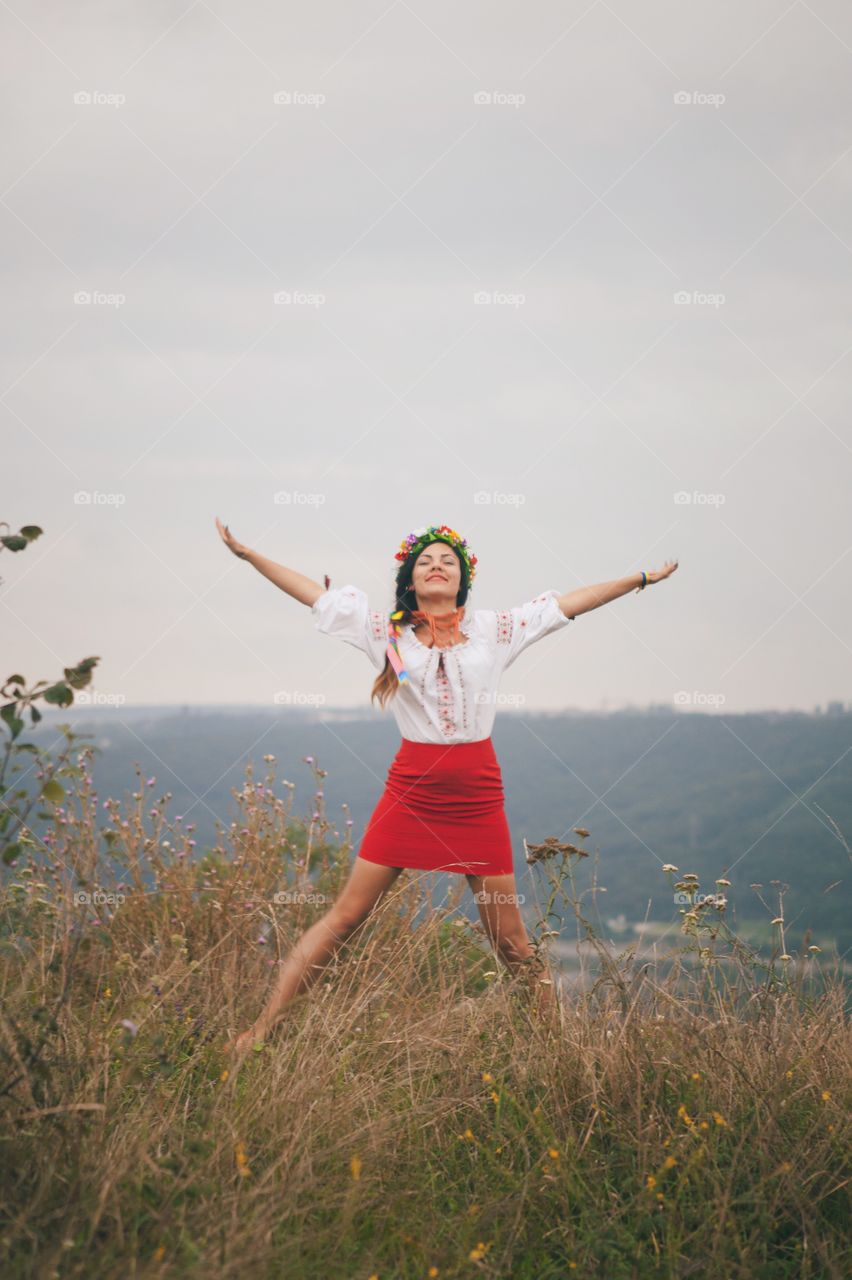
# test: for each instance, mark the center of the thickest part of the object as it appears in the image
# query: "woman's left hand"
(657, 575)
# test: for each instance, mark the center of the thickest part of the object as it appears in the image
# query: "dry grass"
(410, 1117)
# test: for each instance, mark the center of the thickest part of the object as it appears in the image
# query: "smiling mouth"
(439, 576)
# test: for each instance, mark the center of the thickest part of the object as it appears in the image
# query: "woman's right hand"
(230, 541)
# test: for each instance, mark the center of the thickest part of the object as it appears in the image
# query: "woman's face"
(437, 574)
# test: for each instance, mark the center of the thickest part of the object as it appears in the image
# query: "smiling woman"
(443, 804)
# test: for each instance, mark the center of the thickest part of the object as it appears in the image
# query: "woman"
(442, 808)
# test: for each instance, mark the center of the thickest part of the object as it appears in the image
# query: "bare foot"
(245, 1041)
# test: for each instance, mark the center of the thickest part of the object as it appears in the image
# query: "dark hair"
(387, 682)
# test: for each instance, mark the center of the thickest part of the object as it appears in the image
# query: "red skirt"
(442, 809)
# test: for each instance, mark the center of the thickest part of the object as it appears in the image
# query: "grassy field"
(411, 1116)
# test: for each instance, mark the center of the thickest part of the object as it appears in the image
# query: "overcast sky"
(385, 167)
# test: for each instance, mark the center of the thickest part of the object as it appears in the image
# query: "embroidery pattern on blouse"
(460, 674)
(378, 624)
(504, 626)
(445, 699)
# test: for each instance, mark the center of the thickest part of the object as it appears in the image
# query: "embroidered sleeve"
(521, 626)
(345, 612)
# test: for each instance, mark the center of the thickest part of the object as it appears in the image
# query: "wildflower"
(130, 1026)
(719, 1118)
(495, 1097)
(553, 1153)
(479, 1252)
(242, 1160)
(224, 1076)
(696, 1075)
(472, 1210)
(650, 1182)
(433, 1271)
(723, 882)
(669, 1162)
(151, 781)
(468, 1133)
(814, 948)
(107, 993)
(684, 1115)
(669, 866)
(785, 957)
(487, 1077)
(786, 1167)
(825, 1095)
(704, 1125)
(777, 920)
(355, 1166)
(159, 1253)
(581, 831)
(690, 875)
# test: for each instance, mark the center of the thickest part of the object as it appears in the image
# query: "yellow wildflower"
(650, 1182)
(224, 1076)
(433, 1271)
(242, 1160)
(495, 1097)
(553, 1153)
(159, 1253)
(107, 993)
(355, 1166)
(684, 1115)
(669, 1162)
(487, 1077)
(719, 1118)
(825, 1095)
(704, 1125)
(468, 1133)
(696, 1075)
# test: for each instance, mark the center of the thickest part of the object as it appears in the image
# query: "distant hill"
(747, 797)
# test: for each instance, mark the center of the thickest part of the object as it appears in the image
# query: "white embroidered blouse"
(452, 692)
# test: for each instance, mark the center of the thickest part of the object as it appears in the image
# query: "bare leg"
(497, 900)
(367, 884)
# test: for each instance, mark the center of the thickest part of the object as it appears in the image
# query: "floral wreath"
(414, 543)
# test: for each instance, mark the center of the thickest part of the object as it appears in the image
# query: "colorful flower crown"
(414, 543)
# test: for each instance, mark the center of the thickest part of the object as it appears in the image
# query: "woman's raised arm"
(585, 599)
(294, 583)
